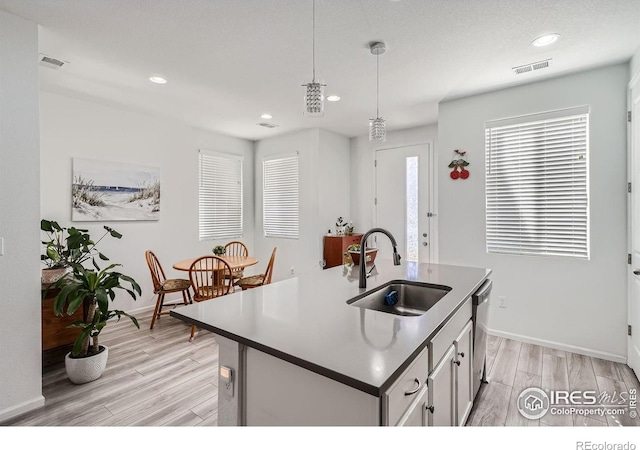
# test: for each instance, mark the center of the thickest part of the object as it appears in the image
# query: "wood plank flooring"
(158, 378)
(514, 366)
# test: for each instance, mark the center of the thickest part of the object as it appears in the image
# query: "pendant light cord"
(377, 85)
(313, 14)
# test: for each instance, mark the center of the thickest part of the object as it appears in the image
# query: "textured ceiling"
(228, 61)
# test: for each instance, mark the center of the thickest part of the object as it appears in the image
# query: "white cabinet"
(450, 380)
(441, 383)
(464, 374)
(416, 414)
(402, 394)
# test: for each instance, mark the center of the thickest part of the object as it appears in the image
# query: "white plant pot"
(84, 370)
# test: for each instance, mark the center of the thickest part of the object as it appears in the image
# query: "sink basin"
(413, 299)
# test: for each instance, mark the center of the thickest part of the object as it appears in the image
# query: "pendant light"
(377, 126)
(314, 94)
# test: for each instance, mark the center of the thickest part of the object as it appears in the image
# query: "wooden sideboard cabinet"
(57, 338)
(335, 246)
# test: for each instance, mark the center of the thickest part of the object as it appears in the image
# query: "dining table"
(235, 262)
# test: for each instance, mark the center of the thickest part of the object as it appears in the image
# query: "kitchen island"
(296, 353)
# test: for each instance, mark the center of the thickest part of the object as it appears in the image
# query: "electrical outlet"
(502, 302)
(293, 271)
(322, 263)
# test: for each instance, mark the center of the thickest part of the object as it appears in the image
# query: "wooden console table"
(335, 246)
(57, 339)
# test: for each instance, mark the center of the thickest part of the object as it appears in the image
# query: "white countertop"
(306, 320)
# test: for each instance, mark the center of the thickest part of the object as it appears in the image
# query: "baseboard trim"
(21, 408)
(560, 346)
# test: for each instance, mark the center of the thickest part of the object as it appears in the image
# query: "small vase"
(340, 231)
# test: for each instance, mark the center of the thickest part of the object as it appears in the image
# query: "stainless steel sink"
(410, 298)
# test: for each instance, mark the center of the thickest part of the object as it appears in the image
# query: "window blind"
(220, 196)
(537, 190)
(281, 197)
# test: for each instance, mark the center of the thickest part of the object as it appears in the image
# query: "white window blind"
(537, 190)
(280, 197)
(220, 196)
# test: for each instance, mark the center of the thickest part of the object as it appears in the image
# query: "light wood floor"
(514, 366)
(158, 378)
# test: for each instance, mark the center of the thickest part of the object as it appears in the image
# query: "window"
(220, 195)
(537, 189)
(280, 196)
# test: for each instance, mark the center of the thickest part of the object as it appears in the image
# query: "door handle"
(426, 243)
(636, 272)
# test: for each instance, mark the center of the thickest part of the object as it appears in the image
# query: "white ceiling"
(228, 61)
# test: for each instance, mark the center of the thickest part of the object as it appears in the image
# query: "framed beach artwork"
(110, 191)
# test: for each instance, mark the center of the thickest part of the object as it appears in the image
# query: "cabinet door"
(441, 382)
(416, 414)
(464, 373)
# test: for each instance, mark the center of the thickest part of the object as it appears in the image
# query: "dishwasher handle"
(482, 294)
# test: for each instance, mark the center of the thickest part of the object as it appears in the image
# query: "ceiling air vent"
(267, 125)
(51, 63)
(532, 66)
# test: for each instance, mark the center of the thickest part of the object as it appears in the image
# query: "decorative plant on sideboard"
(92, 289)
(67, 247)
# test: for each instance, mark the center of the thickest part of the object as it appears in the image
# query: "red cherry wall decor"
(458, 164)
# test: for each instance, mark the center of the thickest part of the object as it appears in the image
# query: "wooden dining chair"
(236, 248)
(163, 286)
(255, 281)
(208, 276)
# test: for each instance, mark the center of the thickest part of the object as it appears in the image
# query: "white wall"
(78, 128)
(562, 302)
(363, 173)
(634, 65)
(21, 367)
(323, 166)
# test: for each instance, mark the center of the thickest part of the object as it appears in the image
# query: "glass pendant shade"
(377, 130)
(314, 99)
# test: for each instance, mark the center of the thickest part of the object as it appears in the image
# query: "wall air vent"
(51, 63)
(267, 125)
(532, 66)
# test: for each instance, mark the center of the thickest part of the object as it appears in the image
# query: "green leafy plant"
(69, 247)
(95, 289)
(340, 222)
(219, 250)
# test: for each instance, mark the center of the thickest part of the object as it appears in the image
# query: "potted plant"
(354, 252)
(348, 229)
(92, 289)
(66, 247)
(219, 250)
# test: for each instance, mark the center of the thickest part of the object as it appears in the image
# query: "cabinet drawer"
(445, 337)
(411, 381)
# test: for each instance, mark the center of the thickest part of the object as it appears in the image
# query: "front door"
(633, 346)
(402, 204)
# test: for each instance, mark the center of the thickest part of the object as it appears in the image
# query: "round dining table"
(235, 262)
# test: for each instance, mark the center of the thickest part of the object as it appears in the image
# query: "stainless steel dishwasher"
(480, 316)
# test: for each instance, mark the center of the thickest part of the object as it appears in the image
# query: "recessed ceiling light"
(546, 39)
(157, 79)
(333, 98)
(266, 116)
